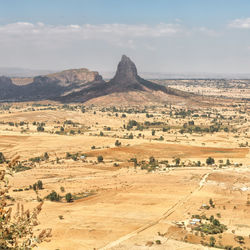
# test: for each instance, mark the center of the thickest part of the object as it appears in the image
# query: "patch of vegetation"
(54, 196)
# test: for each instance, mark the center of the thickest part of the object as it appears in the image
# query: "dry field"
(155, 177)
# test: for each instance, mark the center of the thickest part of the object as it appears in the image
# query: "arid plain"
(141, 177)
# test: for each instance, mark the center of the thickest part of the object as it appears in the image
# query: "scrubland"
(132, 177)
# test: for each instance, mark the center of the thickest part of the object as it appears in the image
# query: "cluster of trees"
(54, 196)
(38, 159)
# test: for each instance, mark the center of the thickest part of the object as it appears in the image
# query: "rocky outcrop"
(81, 85)
(77, 76)
(125, 80)
(48, 87)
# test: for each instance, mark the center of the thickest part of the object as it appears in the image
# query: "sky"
(188, 36)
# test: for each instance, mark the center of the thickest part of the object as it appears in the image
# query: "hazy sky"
(159, 35)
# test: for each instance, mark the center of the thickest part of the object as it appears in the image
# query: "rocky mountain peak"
(126, 71)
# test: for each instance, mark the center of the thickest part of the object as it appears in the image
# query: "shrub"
(69, 197)
(40, 184)
(211, 203)
(177, 161)
(210, 161)
(212, 241)
(46, 156)
(40, 129)
(117, 143)
(158, 242)
(130, 136)
(100, 158)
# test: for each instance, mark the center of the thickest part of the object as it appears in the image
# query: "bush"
(212, 241)
(117, 143)
(100, 158)
(158, 242)
(130, 136)
(40, 129)
(46, 156)
(69, 197)
(177, 161)
(40, 184)
(210, 161)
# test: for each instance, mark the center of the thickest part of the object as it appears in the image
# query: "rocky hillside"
(82, 85)
(126, 80)
(49, 86)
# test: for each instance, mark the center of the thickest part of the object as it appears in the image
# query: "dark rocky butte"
(81, 85)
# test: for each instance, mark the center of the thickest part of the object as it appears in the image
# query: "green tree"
(40, 184)
(69, 197)
(130, 136)
(46, 156)
(100, 158)
(212, 241)
(117, 143)
(177, 161)
(211, 203)
(54, 196)
(210, 161)
(40, 129)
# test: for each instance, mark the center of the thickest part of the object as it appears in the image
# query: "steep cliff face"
(77, 76)
(49, 86)
(127, 78)
(7, 88)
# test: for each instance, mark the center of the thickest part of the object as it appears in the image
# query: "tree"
(46, 156)
(54, 196)
(130, 136)
(151, 160)
(212, 241)
(210, 161)
(153, 132)
(40, 129)
(211, 203)
(117, 143)
(100, 158)
(69, 197)
(40, 185)
(177, 161)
